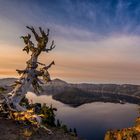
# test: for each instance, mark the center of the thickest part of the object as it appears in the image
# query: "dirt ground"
(10, 130)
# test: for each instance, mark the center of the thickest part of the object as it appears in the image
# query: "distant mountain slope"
(56, 86)
(110, 88)
(7, 81)
(77, 94)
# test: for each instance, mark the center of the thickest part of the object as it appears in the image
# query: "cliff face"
(58, 86)
(94, 92)
(131, 133)
(85, 93)
(110, 88)
(77, 94)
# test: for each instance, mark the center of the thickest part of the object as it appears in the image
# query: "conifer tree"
(30, 75)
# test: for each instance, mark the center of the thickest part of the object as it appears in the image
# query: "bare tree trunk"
(29, 76)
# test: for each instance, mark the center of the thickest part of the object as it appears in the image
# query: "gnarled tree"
(29, 76)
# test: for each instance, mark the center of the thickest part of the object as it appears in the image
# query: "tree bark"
(29, 76)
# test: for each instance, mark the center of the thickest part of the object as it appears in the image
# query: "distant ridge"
(59, 81)
(77, 94)
(7, 81)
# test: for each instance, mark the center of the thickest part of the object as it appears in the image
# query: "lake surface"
(94, 119)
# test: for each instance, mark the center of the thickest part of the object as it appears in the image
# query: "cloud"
(95, 40)
(115, 58)
(112, 58)
(100, 17)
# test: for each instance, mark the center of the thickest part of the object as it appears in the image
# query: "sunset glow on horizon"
(94, 42)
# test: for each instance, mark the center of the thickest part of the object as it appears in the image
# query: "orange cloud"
(113, 59)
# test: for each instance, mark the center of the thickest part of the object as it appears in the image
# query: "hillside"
(131, 133)
(74, 97)
(9, 130)
(77, 94)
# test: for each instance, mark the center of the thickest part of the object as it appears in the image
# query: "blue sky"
(98, 39)
(101, 17)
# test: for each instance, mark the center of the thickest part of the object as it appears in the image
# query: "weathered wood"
(29, 76)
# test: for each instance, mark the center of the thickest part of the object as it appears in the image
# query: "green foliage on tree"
(65, 128)
(70, 130)
(75, 131)
(58, 123)
(49, 114)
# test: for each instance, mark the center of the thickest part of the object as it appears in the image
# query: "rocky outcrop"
(131, 133)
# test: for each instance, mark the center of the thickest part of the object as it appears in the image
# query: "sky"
(97, 41)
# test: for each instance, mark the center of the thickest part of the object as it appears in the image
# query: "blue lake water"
(94, 119)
